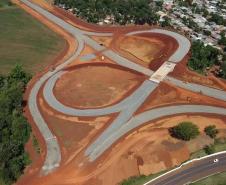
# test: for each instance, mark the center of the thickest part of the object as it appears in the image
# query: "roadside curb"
(183, 164)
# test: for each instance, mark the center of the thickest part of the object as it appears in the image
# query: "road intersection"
(125, 121)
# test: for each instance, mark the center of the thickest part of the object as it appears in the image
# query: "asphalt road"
(124, 122)
(193, 172)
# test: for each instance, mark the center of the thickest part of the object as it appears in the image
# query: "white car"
(216, 160)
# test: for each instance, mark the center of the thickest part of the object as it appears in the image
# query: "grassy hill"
(24, 40)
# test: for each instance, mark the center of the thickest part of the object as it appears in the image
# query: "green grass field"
(24, 40)
(218, 179)
(5, 3)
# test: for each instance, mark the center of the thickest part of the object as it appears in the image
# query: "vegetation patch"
(25, 40)
(218, 146)
(211, 131)
(114, 11)
(5, 3)
(14, 128)
(206, 59)
(36, 144)
(185, 131)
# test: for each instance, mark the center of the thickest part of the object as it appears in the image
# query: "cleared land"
(86, 87)
(146, 50)
(26, 41)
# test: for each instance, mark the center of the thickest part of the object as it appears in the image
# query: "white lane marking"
(183, 164)
(50, 138)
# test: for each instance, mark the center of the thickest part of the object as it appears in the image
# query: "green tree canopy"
(211, 131)
(14, 129)
(202, 56)
(209, 149)
(185, 131)
(123, 11)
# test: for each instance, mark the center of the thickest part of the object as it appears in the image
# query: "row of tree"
(121, 11)
(187, 131)
(14, 129)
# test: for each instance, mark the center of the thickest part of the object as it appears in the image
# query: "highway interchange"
(125, 121)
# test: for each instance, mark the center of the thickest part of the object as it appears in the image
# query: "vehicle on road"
(216, 160)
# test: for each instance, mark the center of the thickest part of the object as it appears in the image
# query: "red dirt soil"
(84, 86)
(165, 44)
(168, 94)
(182, 72)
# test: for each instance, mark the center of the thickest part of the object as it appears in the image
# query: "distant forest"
(121, 11)
(14, 129)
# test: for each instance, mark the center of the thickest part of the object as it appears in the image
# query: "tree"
(2, 81)
(18, 74)
(202, 57)
(123, 11)
(166, 22)
(222, 40)
(209, 149)
(223, 69)
(14, 129)
(215, 17)
(211, 131)
(207, 32)
(185, 131)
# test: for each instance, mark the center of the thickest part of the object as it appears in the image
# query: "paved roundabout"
(125, 120)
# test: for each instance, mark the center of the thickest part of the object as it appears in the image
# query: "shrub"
(209, 149)
(211, 131)
(185, 131)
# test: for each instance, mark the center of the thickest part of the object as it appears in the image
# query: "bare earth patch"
(142, 48)
(95, 86)
(154, 149)
(106, 41)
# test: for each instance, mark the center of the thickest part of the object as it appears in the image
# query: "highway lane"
(53, 154)
(207, 91)
(192, 172)
(115, 126)
(106, 136)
